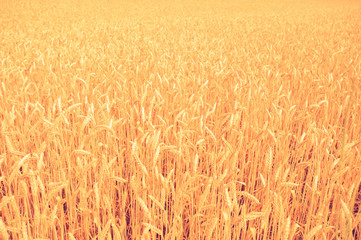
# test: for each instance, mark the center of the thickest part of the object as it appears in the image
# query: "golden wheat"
(232, 119)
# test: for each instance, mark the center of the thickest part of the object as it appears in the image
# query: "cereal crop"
(182, 119)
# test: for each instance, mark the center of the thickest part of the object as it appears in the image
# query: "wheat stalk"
(3, 231)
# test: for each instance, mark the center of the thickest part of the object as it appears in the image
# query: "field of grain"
(180, 119)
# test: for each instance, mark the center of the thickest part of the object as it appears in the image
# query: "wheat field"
(180, 119)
